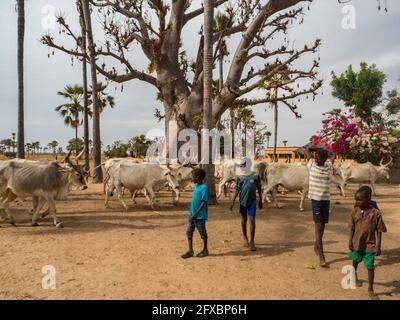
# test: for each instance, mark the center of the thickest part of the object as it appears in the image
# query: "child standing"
(198, 214)
(247, 186)
(319, 193)
(366, 227)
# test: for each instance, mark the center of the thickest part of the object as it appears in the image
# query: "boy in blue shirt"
(198, 213)
(247, 186)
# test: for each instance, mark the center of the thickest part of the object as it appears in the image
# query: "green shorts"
(368, 257)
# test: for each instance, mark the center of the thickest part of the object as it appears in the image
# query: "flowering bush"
(345, 134)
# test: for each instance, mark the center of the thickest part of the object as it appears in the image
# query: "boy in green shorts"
(247, 186)
(365, 223)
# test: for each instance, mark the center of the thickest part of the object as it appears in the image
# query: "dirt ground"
(113, 254)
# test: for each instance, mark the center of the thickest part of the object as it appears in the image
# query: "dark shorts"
(200, 225)
(250, 210)
(320, 210)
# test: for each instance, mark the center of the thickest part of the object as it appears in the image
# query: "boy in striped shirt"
(319, 192)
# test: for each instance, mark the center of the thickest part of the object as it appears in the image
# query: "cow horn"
(79, 156)
(387, 164)
(66, 159)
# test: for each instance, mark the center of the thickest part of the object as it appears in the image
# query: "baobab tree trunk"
(98, 173)
(207, 101)
(21, 33)
(85, 88)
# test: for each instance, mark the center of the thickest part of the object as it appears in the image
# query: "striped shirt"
(319, 181)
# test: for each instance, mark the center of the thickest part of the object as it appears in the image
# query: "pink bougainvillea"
(345, 134)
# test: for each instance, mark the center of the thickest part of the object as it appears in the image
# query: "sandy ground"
(113, 254)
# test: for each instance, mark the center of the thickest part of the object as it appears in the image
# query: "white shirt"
(319, 181)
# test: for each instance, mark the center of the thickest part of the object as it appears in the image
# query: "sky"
(374, 40)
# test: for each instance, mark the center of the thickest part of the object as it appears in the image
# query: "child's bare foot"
(358, 283)
(246, 242)
(322, 262)
(372, 295)
(188, 254)
(252, 246)
(202, 254)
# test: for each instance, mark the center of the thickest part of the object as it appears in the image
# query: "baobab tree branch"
(282, 98)
(112, 75)
(193, 14)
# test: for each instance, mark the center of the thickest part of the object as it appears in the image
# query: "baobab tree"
(156, 26)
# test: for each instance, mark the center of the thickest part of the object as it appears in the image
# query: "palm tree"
(207, 100)
(104, 99)
(273, 84)
(98, 173)
(71, 111)
(21, 33)
(13, 142)
(53, 145)
(268, 135)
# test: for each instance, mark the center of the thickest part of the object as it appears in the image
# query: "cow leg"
(120, 196)
(39, 205)
(373, 188)
(303, 197)
(53, 211)
(34, 204)
(220, 189)
(274, 198)
(109, 191)
(150, 196)
(6, 205)
(265, 195)
(134, 195)
(175, 196)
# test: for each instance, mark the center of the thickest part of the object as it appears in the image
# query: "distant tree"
(392, 107)
(268, 135)
(14, 143)
(284, 143)
(105, 100)
(139, 145)
(7, 143)
(361, 91)
(53, 145)
(71, 111)
(75, 144)
(36, 147)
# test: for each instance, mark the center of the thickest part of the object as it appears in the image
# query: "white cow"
(45, 182)
(138, 176)
(227, 171)
(365, 172)
(293, 177)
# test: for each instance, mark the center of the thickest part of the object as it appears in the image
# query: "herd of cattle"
(48, 181)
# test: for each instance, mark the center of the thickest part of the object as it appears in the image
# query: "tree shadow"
(395, 285)
(270, 249)
(389, 257)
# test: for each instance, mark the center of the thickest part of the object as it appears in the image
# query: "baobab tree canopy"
(155, 27)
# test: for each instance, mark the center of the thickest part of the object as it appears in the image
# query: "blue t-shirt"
(200, 193)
